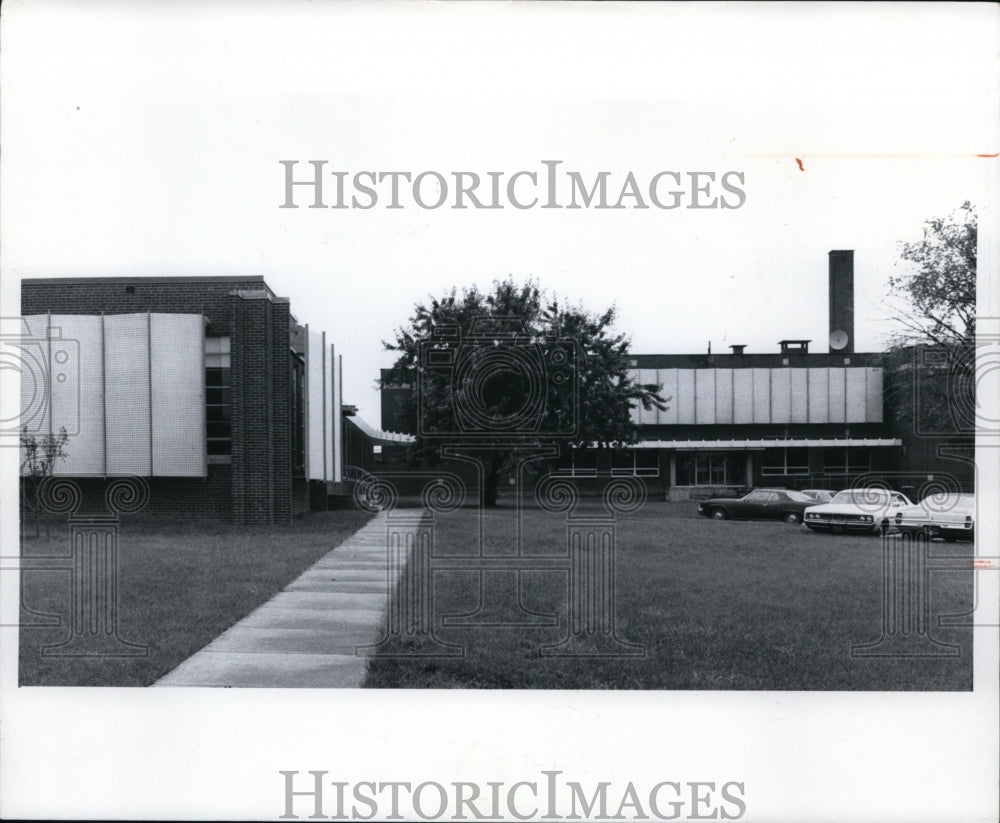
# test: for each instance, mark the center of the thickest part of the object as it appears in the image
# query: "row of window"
(624, 463)
(721, 468)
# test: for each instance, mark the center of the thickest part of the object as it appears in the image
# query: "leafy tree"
(599, 413)
(936, 294)
(38, 459)
(932, 356)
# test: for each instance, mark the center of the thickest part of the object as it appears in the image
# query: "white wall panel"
(704, 396)
(668, 379)
(685, 396)
(318, 395)
(873, 395)
(178, 394)
(127, 393)
(31, 356)
(799, 389)
(855, 391)
(647, 417)
(338, 402)
(328, 422)
(77, 399)
(838, 395)
(761, 395)
(781, 398)
(723, 395)
(743, 395)
(819, 396)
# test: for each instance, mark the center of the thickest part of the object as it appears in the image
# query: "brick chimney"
(841, 339)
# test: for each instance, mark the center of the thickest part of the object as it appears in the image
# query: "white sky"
(145, 141)
(144, 138)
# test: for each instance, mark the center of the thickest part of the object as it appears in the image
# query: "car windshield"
(865, 496)
(799, 497)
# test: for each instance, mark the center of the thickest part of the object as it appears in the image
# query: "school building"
(801, 416)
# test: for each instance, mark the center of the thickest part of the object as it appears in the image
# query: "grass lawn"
(181, 584)
(716, 604)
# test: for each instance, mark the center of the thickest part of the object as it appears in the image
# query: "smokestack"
(842, 302)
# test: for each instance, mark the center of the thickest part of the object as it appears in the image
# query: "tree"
(503, 401)
(38, 459)
(932, 356)
(936, 295)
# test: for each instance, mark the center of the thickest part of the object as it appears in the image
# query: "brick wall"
(184, 496)
(210, 298)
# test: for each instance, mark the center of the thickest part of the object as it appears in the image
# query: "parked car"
(759, 504)
(819, 495)
(857, 510)
(950, 516)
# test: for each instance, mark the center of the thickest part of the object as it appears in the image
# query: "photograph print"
(390, 350)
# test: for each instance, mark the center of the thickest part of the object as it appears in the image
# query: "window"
(784, 462)
(761, 496)
(583, 462)
(298, 415)
(710, 468)
(218, 400)
(635, 463)
(846, 460)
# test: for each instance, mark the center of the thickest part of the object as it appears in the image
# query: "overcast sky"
(145, 140)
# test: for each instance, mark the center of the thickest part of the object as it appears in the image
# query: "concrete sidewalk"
(306, 634)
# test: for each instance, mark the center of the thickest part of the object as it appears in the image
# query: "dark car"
(760, 504)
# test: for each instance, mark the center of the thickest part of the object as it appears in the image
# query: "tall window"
(846, 461)
(784, 462)
(298, 415)
(218, 400)
(711, 468)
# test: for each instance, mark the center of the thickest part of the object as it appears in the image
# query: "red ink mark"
(983, 563)
(989, 155)
(801, 167)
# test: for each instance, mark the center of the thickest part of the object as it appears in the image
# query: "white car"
(950, 516)
(857, 510)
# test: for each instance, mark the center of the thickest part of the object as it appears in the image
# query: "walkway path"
(304, 636)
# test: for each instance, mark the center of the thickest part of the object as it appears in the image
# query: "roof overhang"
(744, 445)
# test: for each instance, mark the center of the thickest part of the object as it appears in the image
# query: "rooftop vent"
(794, 346)
(738, 348)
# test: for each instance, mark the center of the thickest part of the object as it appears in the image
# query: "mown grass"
(715, 604)
(181, 584)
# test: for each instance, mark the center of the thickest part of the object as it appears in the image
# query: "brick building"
(206, 386)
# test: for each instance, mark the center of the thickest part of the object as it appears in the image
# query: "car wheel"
(792, 517)
(720, 514)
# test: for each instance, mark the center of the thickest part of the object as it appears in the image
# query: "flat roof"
(66, 281)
